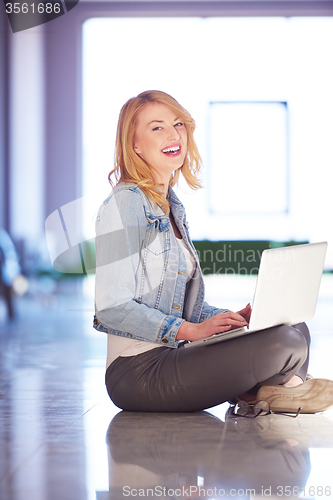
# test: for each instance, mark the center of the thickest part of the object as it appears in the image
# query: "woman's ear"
(136, 149)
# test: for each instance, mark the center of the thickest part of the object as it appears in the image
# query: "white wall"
(27, 133)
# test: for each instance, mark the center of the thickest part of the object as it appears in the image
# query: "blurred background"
(257, 78)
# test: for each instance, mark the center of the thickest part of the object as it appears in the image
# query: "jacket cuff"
(212, 313)
(168, 331)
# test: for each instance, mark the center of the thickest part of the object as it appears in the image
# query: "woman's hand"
(246, 312)
(219, 323)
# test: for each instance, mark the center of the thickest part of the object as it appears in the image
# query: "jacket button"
(165, 340)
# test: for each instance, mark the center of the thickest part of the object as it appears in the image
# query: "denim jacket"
(141, 290)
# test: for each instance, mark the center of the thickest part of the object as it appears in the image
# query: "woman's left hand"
(246, 312)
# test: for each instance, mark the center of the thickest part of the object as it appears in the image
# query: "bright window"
(266, 166)
(248, 139)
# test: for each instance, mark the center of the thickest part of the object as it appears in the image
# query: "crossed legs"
(182, 380)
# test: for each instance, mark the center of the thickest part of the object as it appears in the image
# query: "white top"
(123, 346)
(190, 260)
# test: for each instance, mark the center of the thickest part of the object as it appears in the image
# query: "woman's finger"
(245, 311)
(230, 315)
(235, 322)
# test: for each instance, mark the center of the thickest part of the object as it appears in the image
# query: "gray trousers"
(181, 380)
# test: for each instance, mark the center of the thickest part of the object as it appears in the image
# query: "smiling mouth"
(172, 151)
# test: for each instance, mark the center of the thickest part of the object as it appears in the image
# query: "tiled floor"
(62, 439)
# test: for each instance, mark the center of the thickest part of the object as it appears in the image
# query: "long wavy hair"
(130, 167)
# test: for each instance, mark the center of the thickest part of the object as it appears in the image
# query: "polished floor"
(62, 439)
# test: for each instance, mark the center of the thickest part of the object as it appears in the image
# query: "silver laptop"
(286, 291)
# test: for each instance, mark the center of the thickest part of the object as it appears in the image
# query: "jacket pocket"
(158, 238)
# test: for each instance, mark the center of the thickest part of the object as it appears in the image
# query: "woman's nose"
(173, 134)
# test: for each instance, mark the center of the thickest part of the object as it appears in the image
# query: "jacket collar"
(173, 198)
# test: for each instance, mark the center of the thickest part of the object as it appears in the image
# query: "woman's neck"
(163, 182)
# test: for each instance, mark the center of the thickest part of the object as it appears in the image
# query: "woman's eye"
(179, 124)
(157, 128)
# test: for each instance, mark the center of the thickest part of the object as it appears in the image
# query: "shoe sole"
(312, 396)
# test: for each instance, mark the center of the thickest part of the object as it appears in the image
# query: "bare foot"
(295, 380)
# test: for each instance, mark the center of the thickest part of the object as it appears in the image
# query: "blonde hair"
(130, 167)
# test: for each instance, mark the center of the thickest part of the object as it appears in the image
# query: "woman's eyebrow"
(159, 121)
(153, 121)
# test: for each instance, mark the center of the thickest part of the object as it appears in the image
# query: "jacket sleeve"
(120, 234)
(210, 311)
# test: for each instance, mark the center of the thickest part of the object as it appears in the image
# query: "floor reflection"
(199, 456)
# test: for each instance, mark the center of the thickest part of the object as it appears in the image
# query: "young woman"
(150, 289)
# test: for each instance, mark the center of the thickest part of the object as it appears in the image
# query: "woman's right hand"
(219, 323)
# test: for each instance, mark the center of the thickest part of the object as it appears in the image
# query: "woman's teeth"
(171, 150)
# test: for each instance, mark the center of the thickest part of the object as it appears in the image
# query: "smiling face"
(161, 140)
